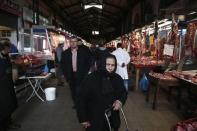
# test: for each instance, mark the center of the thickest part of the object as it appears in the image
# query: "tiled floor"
(58, 115)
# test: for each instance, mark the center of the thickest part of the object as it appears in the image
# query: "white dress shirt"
(74, 59)
(122, 56)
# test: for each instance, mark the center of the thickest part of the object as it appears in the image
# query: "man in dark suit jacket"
(75, 63)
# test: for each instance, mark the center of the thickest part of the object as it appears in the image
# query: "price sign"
(168, 50)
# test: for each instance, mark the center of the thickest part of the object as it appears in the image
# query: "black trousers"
(73, 86)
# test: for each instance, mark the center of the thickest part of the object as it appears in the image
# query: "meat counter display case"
(184, 77)
(188, 80)
(186, 64)
(34, 52)
(26, 65)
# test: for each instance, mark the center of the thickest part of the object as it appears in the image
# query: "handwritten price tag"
(168, 50)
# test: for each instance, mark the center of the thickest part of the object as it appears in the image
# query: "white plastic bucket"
(50, 93)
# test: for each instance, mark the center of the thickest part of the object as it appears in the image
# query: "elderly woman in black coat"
(8, 101)
(101, 90)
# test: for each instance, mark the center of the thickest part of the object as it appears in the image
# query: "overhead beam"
(83, 15)
(101, 14)
(90, 27)
(111, 15)
(62, 8)
(109, 12)
(72, 5)
(95, 20)
(113, 18)
(76, 12)
(107, 17)
(53, 6)
(107, 20)
(112, 5)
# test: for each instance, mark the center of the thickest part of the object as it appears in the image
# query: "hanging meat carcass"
(189, 39)
(173, 39)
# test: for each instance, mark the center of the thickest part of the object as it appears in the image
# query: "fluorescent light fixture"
(168, 28)
(191, 13)
(95, 32)
(164, 20)
(23, 33)
(59, 29)
(99, 6)
(35, 36)
(165, 24)
(44, 46)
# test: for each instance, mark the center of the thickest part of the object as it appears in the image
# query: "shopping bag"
(143, 84)
(46, 69)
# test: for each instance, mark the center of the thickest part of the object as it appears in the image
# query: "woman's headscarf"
(107, 89)
(103, 64)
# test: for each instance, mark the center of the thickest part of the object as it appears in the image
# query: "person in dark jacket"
(75, 63)
(58, 55)
(8, 100)
(101, 90)
(81, 45)
(100, 55)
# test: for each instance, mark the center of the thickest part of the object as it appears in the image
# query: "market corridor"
(58, 115)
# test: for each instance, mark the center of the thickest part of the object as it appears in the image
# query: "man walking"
(75, 63)
(123, 60)
(58, 55)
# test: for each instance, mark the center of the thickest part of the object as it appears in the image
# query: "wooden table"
(138, 67)
(188, 84)
(159, 82)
